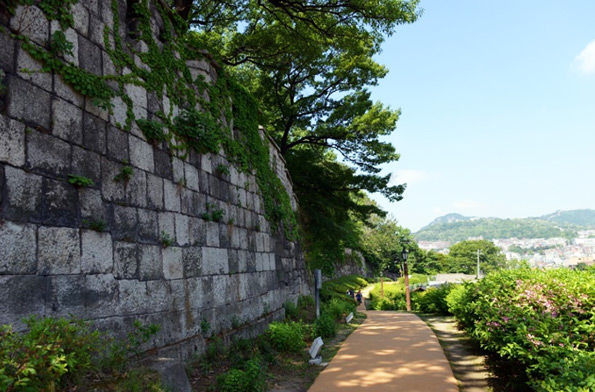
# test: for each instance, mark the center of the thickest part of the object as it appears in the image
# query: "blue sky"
(498, 109)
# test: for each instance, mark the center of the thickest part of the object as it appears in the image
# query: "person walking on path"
(358, 296)
(390, 351)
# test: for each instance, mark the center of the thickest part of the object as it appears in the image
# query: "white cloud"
(467, 205)
(585, 61)
(407, 177)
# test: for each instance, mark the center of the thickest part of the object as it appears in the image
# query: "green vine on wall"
(166, 74)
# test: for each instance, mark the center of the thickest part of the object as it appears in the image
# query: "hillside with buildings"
(563, 238)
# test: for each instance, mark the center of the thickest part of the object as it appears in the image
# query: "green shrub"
(339, 307)
(52, 354)
(433, 300)
(251, 378)
(542, 319)
(291, 310)
(394, 297)
(80, 181)
(287, 337)
(325, 326)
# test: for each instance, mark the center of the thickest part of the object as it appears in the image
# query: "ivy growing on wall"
(206, 109)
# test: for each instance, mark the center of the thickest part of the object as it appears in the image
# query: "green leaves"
(542, 319)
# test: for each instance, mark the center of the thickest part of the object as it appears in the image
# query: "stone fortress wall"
(229, 275)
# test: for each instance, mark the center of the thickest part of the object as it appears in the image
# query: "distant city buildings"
(539, 252)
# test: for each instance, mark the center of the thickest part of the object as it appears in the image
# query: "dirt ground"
(467, 362)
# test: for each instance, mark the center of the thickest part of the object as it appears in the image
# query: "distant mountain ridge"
(457, 227)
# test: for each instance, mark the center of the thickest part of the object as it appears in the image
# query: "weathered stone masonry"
(234, 274)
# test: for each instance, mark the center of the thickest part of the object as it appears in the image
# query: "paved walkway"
(390, 351)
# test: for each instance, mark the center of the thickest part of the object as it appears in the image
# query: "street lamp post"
(405, 255)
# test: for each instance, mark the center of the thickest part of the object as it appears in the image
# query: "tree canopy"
(463, 257)
(309, 63)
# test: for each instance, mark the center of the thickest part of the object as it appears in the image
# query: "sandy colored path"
(390, 351)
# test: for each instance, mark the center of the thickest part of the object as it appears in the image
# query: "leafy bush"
(52, 354)
(433, 300)
(287, 337)
(394, 297)
(543, 319)
(325, 326)
(339, 308)
(60, 353)
(251, 378)
(291, 310)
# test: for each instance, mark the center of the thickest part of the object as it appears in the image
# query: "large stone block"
(193, 292)
(67, 92)
(163, 166)
(23, 195)
(29, 69)
(90, 58)
(86, 163)
(139, 99)
(150, 265)
(58, 251)
(8, 47)
(189, 202)
(207, 294)
(32, 292)
(148, 227)
(94, 133)
(182, 229)
(125, 223)
(19, 249)
(67, 120)
(117, 144)
(125, 260)
(100, 295)
(80, 15)
(28, 103)
(173, 266)
(215, 261)
(198, 232)
(12, 141)
(191, 174)
(141, 154)
(221, 291)
(133, 297)
(72, 37)
(31, 22)
(154, 192)
(97, 255)
(48, 154)
(92, 206)
(60, 203)
(65, 296)
(213, 234)
(167, 225)
(192, 261)
(119, 113)
(96, 28)
(136, 189)
(171, 196)
(111, 189)
(160, 292)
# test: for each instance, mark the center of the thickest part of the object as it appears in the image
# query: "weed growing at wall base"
(57, 354)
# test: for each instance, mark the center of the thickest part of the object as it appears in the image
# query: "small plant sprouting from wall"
(125, 173)
(222, 170)
(98, 225)
(166, 240)
(80, 181)
(153, 130)
(213, 214)
(205, 327)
